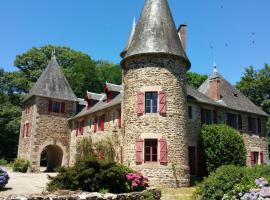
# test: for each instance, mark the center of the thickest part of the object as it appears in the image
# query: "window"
(56, 107)
(90, 122)
(190, 114)
(232, 120)
(100, 122)
(252, 125)
(150, 150)
(26, 129)
(114, 114)
(151, 102)
(82, 124)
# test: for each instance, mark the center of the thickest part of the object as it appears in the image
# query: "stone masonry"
(157, 73)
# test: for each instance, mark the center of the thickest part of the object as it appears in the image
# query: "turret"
(154, 98)
(44, 127)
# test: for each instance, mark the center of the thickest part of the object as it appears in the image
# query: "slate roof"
(101, 105)
(195, 95)
(231, 97)
(53, 84)
(156, 32)
(129, 39)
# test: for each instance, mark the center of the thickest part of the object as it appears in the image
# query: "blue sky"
(233, 33)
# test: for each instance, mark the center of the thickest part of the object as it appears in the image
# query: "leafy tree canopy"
(255, 84)
(81, 71)
(195, 80)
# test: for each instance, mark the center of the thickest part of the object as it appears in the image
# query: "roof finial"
(215, 67)
(134, 21)
(53, 54)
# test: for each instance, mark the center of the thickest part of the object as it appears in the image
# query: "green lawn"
(177, 193)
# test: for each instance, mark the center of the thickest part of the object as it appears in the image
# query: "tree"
(222, 145)
(255, 84)
(81, 71)
(10, 114)
(195, 80)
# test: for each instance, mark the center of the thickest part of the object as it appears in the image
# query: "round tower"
(154, 98)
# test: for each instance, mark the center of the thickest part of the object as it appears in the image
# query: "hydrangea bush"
(3, 178)
(137, 181)
(261, 191)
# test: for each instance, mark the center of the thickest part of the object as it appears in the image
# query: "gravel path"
(20, 183)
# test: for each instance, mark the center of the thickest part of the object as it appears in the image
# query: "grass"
(177, 193)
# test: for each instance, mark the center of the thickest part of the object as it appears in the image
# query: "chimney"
(215, 89)
(182, 35)
(215, 85)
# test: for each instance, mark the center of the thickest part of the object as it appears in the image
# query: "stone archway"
(54, 157)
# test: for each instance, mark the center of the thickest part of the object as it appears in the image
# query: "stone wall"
(28, 115)
(253, 142)
(157, 73)
(49, 131)
(156, 194)
(111, 130)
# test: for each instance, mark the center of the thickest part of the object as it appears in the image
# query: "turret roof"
(53, 84)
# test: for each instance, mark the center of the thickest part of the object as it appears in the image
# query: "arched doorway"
(51, 158)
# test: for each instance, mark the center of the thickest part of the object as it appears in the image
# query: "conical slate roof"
(156, 32)
(129, 38)
(53, 84)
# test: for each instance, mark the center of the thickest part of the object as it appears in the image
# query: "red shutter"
(215, 116)
(259, 125)
(63, 107)
(139, 151)
(27, 129)
(162, 103)
(82, 127)
(50, 106)
(163, 152)
(119, 119)
(202, 116)
(121, 154)
(240, 125)
(252, 158)
(95, 124)
(262, 157)
(102, 121)
(140, 103)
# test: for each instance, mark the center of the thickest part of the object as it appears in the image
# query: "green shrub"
(148, 195)
(220, 182)
(230, 180)
(20, 165)
(103, 149)
(92, 175)
(3, 162)
(222, 146)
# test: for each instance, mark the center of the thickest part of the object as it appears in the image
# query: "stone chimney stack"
(182, 34)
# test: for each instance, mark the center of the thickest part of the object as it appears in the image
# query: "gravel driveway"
(20, 183)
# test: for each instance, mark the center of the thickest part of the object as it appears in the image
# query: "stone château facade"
(155, 117)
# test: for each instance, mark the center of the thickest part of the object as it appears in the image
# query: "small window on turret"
(56, 107)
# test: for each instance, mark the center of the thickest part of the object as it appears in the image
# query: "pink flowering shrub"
(137, 181)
